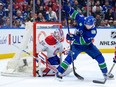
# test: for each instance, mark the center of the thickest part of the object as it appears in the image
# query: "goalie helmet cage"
(35, 27)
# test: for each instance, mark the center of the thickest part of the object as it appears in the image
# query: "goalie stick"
(75, 73)
(41, 58)
(49, 66)
(103, 82)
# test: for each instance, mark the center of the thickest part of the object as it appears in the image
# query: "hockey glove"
(66, 51)
(70, 37)
(78, 33)
(114, 60)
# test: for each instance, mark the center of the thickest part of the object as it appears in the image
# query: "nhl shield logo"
(113, 34)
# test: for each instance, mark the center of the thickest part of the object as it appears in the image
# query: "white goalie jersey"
(51, 48)
(50, 45)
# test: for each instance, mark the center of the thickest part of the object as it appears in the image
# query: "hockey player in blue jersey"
(82, 42)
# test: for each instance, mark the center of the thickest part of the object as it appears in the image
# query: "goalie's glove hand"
(114, 60)
(70, 37)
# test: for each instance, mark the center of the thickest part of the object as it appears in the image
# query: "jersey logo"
(93, 31)
(80, 24)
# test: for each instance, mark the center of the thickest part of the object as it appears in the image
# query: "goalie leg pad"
(43, 56)
(41, 63)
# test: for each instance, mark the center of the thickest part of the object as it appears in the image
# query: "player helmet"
(89, 22)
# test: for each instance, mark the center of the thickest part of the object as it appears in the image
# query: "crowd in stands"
(48, 11)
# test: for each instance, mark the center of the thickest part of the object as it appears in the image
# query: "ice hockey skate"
(58, 76)
(108, 76)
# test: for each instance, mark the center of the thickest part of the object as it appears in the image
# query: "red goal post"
(40, 28)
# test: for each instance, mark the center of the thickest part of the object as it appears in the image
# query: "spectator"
(16, 24)
(106, 23)
(111, 23)
(76, 5)
(114, 24)
(97, 9)
(2, 12)
(51, 15)
(106, 6)
(42, 7)
(19, 1)
(82, 2)
(112, 2)
(109, 15)
(19, 16)
(97, 12)
(25, 12)
(102, 24)
(114, 14)
(31, 18)
(40, 18)
(49, 4)
(98, 20)
(38, 6)
(42, 10)
(7, 23)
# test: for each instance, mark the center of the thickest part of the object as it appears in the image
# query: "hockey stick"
(75, 73)
(41, 58)
(103, 82)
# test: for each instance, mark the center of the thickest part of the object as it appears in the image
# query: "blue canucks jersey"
(82, 42)
(86, 35)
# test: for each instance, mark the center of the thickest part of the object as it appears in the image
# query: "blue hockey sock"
(102, 64)
(63, 66)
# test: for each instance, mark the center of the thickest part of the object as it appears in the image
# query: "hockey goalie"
(50, 53)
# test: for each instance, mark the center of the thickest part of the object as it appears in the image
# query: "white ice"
(85, 66)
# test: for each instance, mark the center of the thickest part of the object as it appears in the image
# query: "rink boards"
(105, 40)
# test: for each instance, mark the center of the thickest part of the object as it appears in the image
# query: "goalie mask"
(58, 35)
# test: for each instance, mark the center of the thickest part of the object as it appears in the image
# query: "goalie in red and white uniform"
(51, 49)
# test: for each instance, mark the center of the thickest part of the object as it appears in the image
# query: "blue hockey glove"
(78, 33)
(70, 37)
(114, 60)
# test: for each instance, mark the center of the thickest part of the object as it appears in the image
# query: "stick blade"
(78, 76)
(99, 82)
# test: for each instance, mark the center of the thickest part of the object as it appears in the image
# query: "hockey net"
(24, 64)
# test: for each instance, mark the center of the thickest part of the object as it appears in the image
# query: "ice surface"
(86, 67)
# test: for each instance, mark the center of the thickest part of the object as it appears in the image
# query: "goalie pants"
(90, 49)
